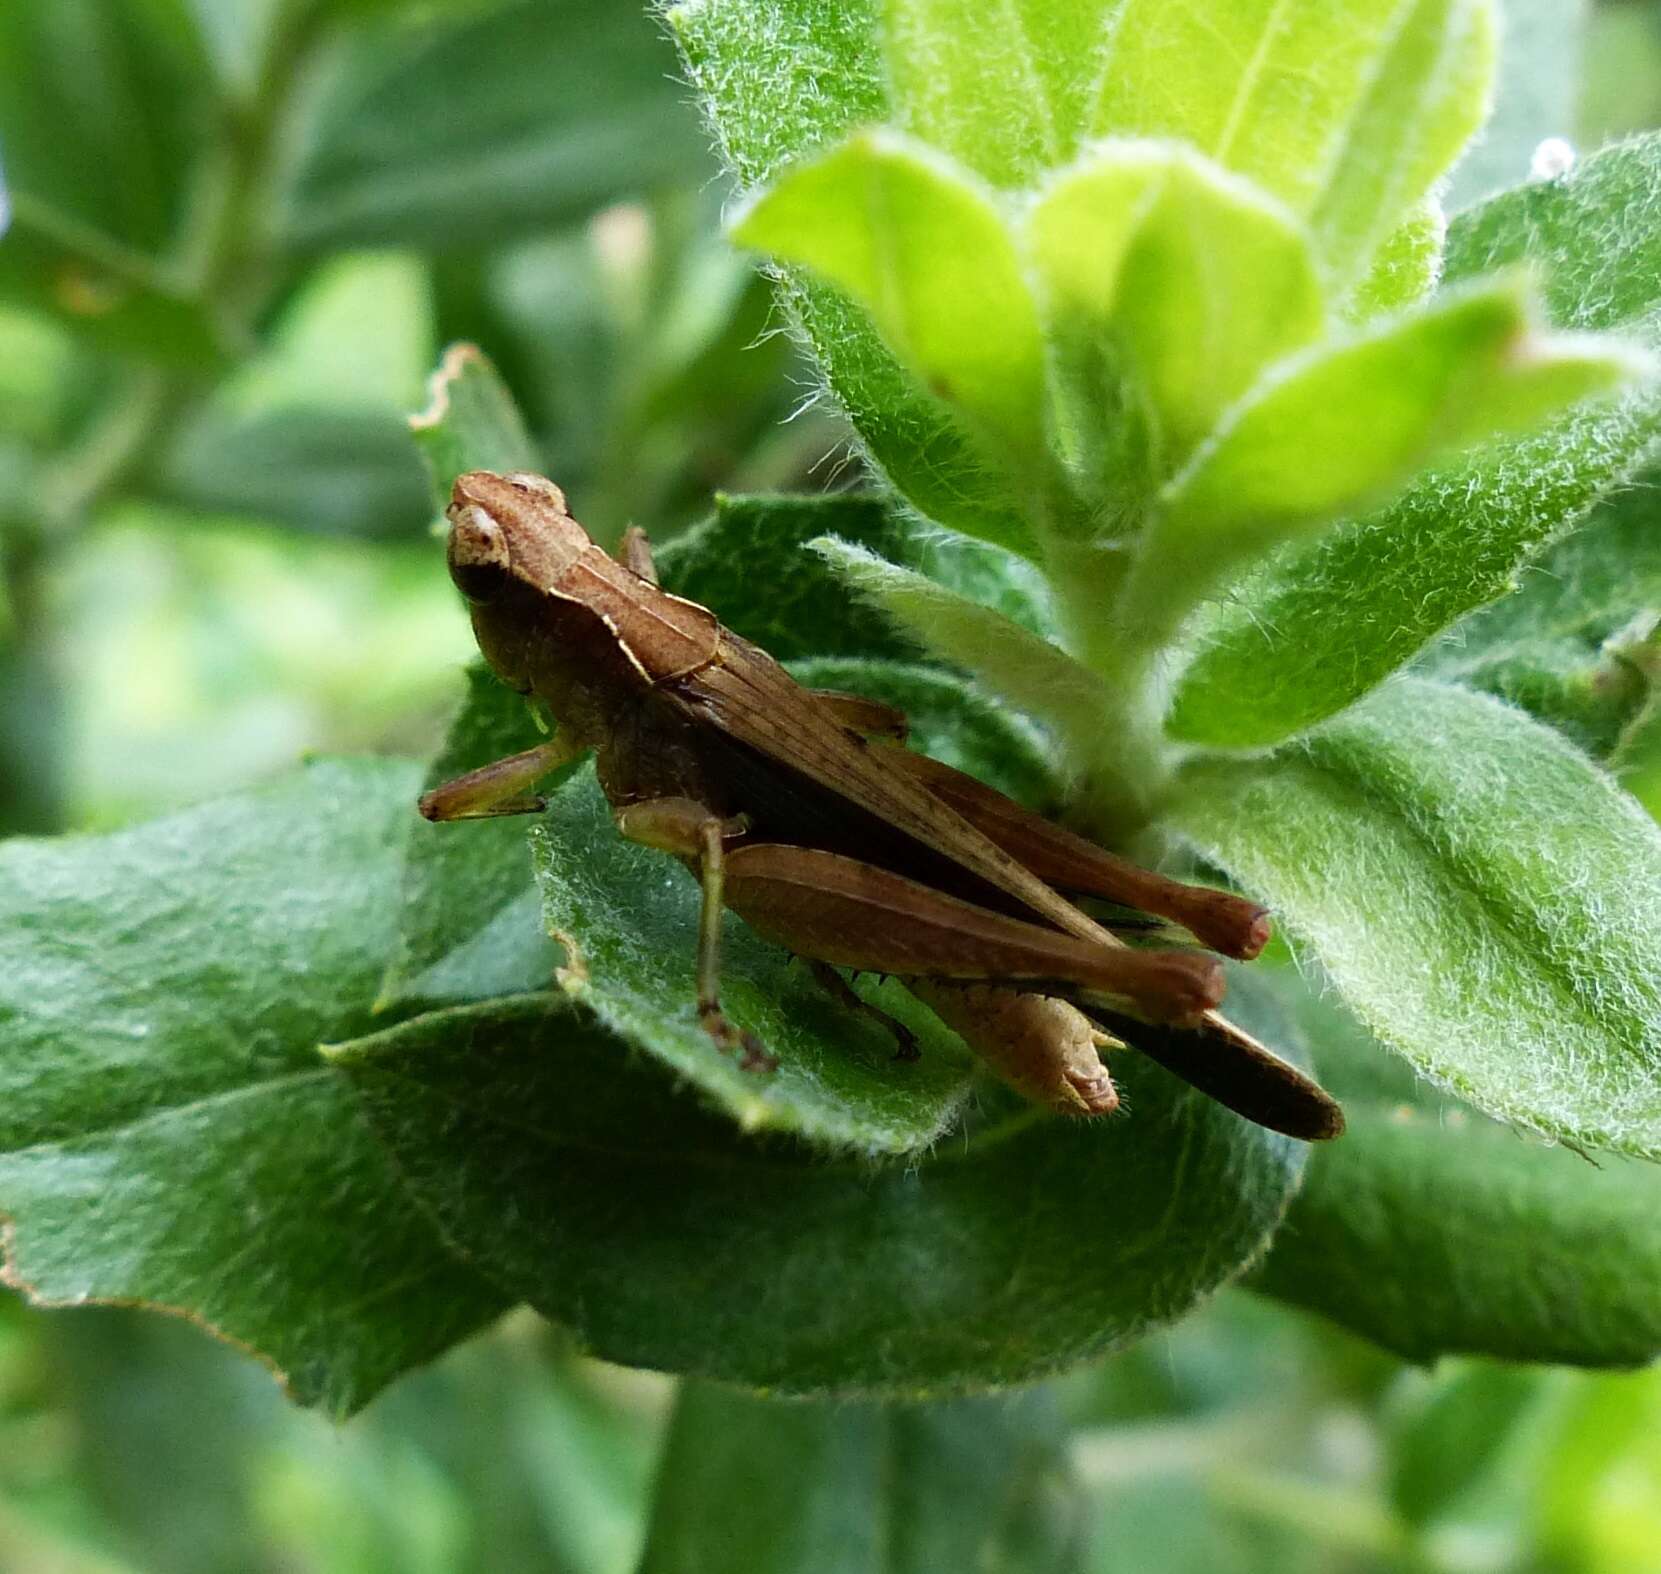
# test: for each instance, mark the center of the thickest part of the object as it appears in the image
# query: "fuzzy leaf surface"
(925, 251)
(1021, 666)
(1405, 269)
(779, 1487)
(1348, 110)
(1346, 425)
(1575, 645)
(575, 1173)
(1482, 897)
(629, 916)
(781, 80)
(1434, 1232)
(1199, 278)
(1321, 624)
(469, 926)
(170, 1136)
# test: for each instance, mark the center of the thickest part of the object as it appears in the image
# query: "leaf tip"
(458, 360)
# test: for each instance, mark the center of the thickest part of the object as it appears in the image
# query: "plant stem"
(1126, 763)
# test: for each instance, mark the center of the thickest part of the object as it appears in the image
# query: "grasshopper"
(803, 812)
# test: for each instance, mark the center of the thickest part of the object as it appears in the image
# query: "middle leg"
(697, 834)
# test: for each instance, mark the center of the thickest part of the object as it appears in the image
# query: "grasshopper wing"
(747, 695)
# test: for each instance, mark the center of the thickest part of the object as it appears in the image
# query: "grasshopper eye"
(480, 561)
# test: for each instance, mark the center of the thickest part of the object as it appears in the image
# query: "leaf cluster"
(1196, 426)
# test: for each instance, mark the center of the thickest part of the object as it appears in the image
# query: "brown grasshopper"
(803, 812)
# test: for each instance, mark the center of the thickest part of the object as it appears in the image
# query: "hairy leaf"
(1575, 645)
(782, 79)
(1344, 425)
(1433, 1231)
(764, 541)
(575, 1173)
(1348, 111)
(1480, 895)
(1020, 666)
(1001, 88)
(169, 1135)
(469, 924)
(914, 240)
(1405, 268)
(628, 917)
(1322, 624)
(782, 1487)
(1198, 278)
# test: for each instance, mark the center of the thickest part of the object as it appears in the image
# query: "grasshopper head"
(510, 527)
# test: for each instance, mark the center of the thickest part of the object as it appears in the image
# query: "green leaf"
(470, 924)
(1340, 427)
(1200, 279)
(926, 252)
(1433, 1232)
(310, 432)
(628, 917)
(357, 333)
(1405, 269)
(1023, 668)
(774, 1487)
(576, 1173)
(1481, 896)
(917, 443)
(1347, 112)
(782, 79)
(1001, 89)
(169, 1135)
(470, 422)
(508, 156)
(1320, 625)
(1575, 644)
(1451, 1432)
(101, 115)
(1541, 47)
(339, 471)
(113, 299)
(764, 541)
(949, 722)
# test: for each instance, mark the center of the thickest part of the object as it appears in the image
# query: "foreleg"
(502, 787)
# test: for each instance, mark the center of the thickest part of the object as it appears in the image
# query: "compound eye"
(480, 562)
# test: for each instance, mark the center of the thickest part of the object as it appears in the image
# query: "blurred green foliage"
(240, 230)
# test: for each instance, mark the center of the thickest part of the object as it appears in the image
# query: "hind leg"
(835, 984)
